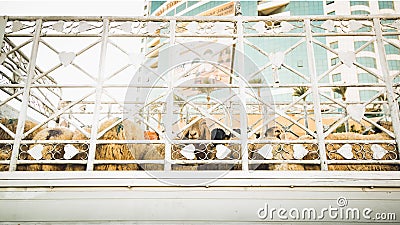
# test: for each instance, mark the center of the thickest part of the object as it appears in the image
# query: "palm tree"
(298, 92)
(181, 103)
(207, 90)
(342, 92)
(381, 107)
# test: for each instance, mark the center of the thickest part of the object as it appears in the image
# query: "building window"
(300, 63)
(352, 3)
(283, 98)
(336, 77)
(364, 29)
(367, 61)
(391, 37)
(394, 64)
(369, 48)
(328, 2)
(299, 8)
(386, 5)
(331, 13)
(367, 78)
(337, 95)
(154, 5)
(180, 8)
(171, 13)
(359, 12)
(190, 3)
(366, 95)
(334, 45)
(390, 49)
(334, 61)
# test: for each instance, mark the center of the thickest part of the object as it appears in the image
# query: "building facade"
(326, 59)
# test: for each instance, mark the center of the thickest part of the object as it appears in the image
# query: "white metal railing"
(72, 72)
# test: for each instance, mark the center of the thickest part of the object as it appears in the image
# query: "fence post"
(99, 92)
(315, 95)
(393, 105)
(239, 69)
(170, 99)
(3, 23)
(19, 134)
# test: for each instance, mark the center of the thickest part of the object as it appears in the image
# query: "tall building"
(366, 54)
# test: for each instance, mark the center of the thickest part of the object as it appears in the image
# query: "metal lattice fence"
(203, 93)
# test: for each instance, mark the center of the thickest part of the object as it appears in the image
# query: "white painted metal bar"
(336, 125)
(239, 69)
(9, 132)
(168, 118)
(283, 114)
(11, 97)
(58, 113)
(185, 162)
(72, 35)
(52, 162)
(250, 141)
(99, 92)
(25, 97)
(315, 94)
(204, 18)
(16, 48)
(3, 24)
(393, 105)
(288, 85)
(388, 132)
(74, 124)
(24, 59)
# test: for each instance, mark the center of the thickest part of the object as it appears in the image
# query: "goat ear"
(206, 133)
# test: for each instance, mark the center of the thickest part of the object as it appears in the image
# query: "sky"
(74, 8)
(71, 8)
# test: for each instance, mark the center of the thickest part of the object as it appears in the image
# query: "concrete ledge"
(201, 179)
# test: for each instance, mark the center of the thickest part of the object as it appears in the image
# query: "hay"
(126, 130)
(6, 149)
(360, 152)
(385, 124)
(50, 151)
(11, 124)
